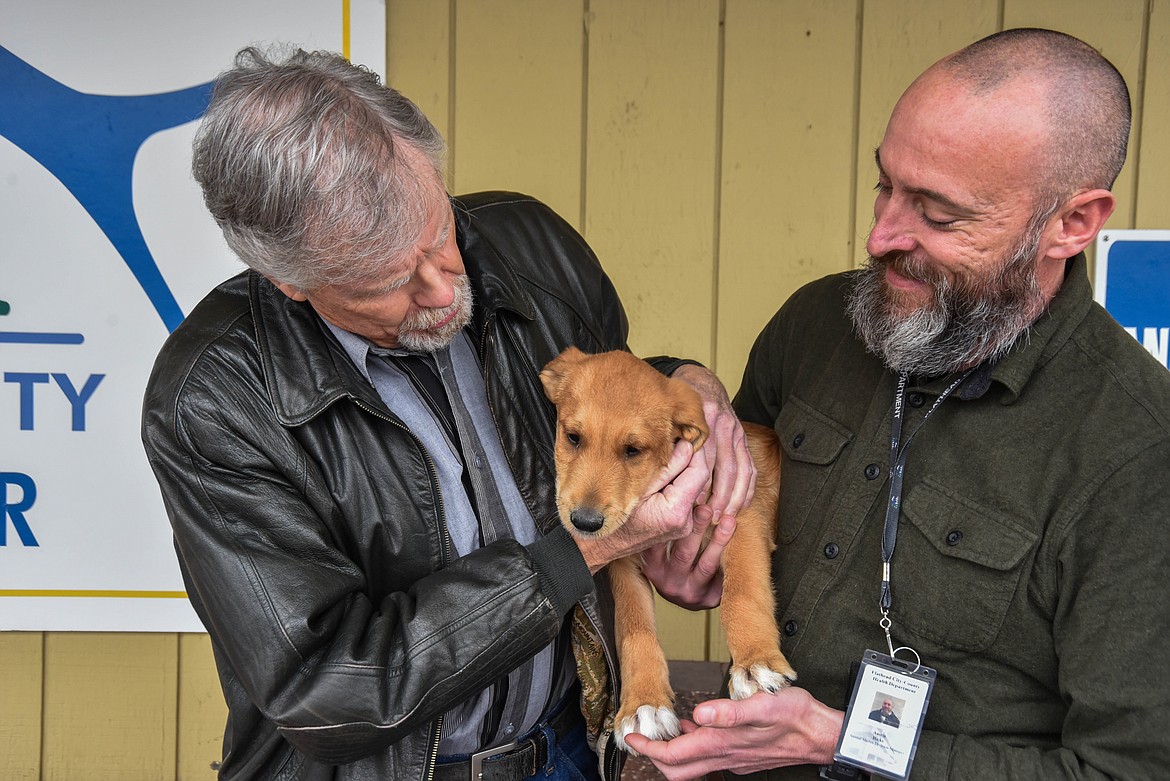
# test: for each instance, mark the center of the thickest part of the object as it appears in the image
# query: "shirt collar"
(1048, 335)
(359, 349)
(1034, 347)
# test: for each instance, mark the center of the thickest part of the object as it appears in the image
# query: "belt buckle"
(478, 758)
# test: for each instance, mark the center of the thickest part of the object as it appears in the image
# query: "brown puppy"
(617, 422)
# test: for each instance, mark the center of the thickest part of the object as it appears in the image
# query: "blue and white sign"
(104, 246)
(1133, 284)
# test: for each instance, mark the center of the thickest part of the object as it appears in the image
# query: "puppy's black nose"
(587, 519)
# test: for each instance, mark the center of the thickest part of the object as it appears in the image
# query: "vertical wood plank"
(682, 633)
(651, 151)
(785, 214)
(518, 99)
(1151, 155)
(900, 39)
(418, 59)
(202, 711)
(1118, 36)
(109, 706)
(651, 165)
(21, 655)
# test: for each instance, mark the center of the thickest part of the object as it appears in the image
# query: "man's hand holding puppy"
(764, 731)
(666, 512)
(687, 573)
(733, 477)
(696, 488)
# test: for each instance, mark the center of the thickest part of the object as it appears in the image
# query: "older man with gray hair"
(355, 450)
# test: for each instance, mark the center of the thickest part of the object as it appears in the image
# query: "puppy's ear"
(555, 371)
(689, 422)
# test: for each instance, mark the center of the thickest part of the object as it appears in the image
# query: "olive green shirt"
(1032, 552)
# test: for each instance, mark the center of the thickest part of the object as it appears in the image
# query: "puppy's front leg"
(647, 701)
(748, 611)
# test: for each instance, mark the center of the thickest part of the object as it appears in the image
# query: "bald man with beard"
(1026, 542)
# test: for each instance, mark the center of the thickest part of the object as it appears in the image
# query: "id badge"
(884, 719)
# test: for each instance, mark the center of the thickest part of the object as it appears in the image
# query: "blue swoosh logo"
(89, 142)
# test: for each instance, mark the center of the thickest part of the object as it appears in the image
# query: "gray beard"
(975, 319)
(418, 335)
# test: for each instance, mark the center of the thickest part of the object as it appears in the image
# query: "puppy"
(618, 420)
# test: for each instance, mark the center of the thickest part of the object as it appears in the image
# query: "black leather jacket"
(308, 521)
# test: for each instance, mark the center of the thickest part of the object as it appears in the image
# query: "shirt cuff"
(668, 366)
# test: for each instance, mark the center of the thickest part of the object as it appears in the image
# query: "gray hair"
(316, 172)
(1088, 107)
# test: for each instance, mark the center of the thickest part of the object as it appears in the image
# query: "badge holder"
(884, 720)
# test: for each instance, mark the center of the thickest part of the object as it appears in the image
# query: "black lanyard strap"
(898, 454)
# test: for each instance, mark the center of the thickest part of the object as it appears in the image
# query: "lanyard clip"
(887, 599)
(885, 624)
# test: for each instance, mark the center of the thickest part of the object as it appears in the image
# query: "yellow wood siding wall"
(717, 154)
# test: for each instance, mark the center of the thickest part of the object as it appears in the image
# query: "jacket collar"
(306, 369)
(493, 278)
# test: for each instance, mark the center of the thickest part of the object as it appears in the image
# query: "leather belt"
(512, 761)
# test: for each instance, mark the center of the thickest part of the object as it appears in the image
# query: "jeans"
(569, 759)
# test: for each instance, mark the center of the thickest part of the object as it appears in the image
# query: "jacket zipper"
(433, 754)
(613, 767)
(604, 738)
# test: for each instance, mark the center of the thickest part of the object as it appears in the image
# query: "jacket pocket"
(811, 442)
(956, 568)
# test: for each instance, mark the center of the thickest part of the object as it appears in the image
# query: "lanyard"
(898, 455)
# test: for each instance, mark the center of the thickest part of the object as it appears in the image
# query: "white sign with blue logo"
(104, 246)
(1133, 284)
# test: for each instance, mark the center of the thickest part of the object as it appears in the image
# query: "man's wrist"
(829, 722)
(597, 551)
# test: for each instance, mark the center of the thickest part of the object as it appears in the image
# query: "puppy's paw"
(747, 680)
(654, 723)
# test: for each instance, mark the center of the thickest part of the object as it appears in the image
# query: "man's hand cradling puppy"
(666, 512)
(733, 478)
(764, 731)
(685, 572)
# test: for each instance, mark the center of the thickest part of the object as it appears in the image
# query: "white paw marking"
(745, 683)
(654, 723)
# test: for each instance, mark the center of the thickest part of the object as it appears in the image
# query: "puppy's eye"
(574, 439)
(632, 452)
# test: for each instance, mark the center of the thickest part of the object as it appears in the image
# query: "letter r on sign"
(11, 508)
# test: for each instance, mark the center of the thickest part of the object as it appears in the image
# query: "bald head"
(1081, 97)
(994, 170)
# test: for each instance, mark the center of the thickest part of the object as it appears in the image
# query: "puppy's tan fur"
(617, 423)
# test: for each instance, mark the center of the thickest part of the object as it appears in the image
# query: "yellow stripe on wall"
(345, 28)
